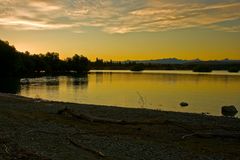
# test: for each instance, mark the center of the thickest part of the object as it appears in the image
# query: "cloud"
(118, 16)
(225, 28)
(21, 24)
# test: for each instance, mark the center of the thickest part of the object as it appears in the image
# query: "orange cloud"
(117, 16)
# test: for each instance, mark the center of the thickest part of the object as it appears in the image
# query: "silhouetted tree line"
(203, 66)
(17, 64)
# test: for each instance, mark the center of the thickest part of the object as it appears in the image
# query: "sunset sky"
(124, 29)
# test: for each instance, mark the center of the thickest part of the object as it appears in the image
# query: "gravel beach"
(34, 129)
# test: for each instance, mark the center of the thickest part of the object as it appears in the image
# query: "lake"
(162, 90)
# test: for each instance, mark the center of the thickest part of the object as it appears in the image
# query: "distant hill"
(180, 61)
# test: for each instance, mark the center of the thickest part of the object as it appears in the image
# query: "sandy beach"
(34, 129)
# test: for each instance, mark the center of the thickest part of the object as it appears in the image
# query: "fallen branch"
(167, 122)
(98, 153)
(43, 132)
(90, 118)
(6, 148)
(213, 135)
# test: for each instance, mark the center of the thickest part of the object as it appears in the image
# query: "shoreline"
(34, 128)
(191, 72)
(38, 100)
(125, 107)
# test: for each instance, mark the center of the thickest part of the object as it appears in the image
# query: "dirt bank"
(34, 129)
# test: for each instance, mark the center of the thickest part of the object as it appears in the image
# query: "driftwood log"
(91, 118)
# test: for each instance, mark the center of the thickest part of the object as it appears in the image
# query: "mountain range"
(181, 61)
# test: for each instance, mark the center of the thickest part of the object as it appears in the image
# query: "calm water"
(162, 90)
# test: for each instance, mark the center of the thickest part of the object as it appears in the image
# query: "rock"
(229, 110)
(205, 113)
(184, 104)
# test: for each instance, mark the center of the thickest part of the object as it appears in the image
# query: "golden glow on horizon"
(196, 43)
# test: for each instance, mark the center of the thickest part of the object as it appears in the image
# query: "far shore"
(42, 130)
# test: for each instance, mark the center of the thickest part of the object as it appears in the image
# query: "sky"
(124, 29)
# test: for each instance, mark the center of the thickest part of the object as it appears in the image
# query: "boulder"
(229, 110)
(183, 104)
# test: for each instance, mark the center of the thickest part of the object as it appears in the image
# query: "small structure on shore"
(24, 81)
(229, 111)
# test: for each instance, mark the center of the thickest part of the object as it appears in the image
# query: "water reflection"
(52, 81)
(204, 93)
(9, 85)
(80, 82)
(99, 77)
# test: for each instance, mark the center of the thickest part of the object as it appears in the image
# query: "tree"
(52, 62)
(80, 64)
(9, 59)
